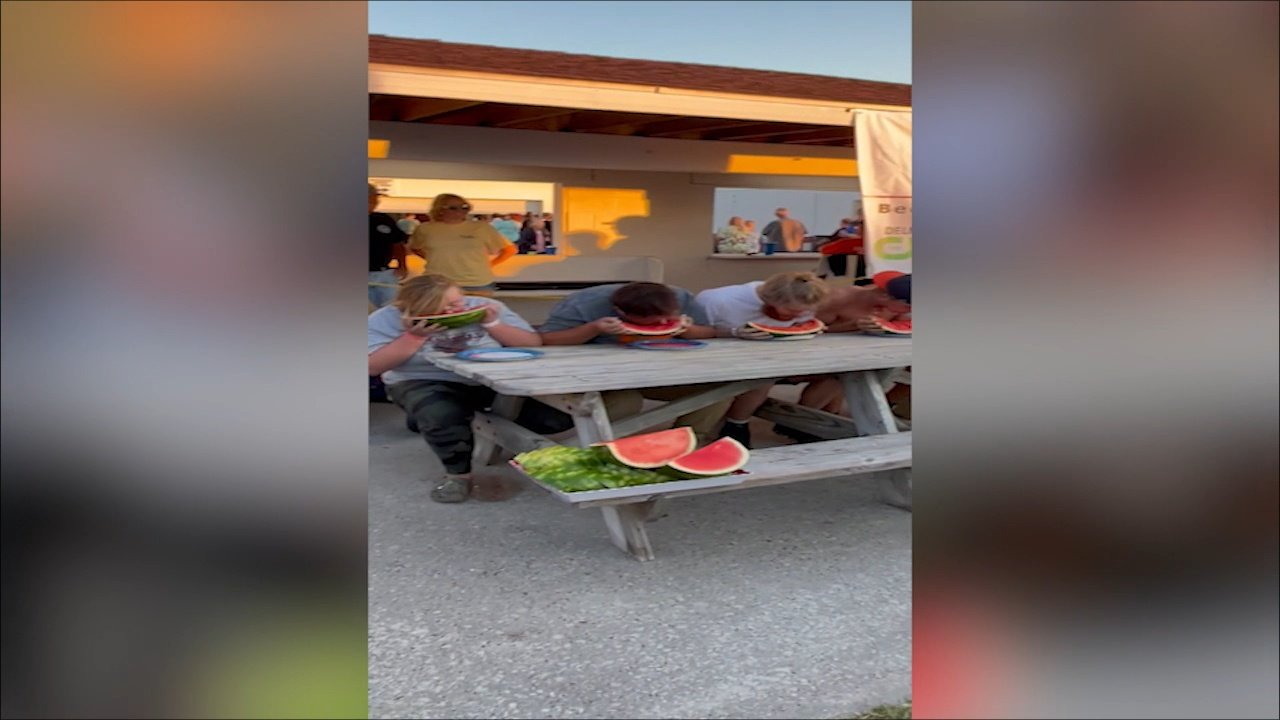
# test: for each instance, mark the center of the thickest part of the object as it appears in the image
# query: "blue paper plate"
(499, 354)
(667, 344)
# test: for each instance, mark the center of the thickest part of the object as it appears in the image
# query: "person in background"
(508, 228)
(786, 233)
(784, 299)
(734, 239)
(547, 220)
(386, 244)
(439, 404)
(408, 223)
(466, 251)
(535, 239)
(596, 316)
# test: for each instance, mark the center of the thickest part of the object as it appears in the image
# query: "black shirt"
(383, 233)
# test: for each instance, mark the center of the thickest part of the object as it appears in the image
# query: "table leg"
(626, 523)
(872, 416)
(486, 444)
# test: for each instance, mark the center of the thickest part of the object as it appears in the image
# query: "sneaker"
(799, 436)
(738, 431)
(454, 489)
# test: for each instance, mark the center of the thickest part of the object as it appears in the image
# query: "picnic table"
(572, 378)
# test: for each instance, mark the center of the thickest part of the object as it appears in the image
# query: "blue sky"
(865, 40)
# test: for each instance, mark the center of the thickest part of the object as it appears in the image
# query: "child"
(784, 299)
(596, 315)
(439, 404)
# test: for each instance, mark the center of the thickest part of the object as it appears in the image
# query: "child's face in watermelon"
(788, 311)
(645, 320)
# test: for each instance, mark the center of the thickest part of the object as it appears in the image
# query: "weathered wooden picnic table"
(572, 379)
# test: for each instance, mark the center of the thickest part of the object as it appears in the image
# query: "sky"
(863, 40)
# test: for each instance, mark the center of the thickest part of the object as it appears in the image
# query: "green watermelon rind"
(454, 320)
(571, 469)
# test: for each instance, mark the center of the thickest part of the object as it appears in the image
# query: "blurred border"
(1096, 359)
(183, 406)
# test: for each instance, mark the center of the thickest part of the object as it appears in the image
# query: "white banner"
(883, 140)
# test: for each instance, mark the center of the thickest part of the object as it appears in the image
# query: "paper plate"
(667, 344)
(498, 354)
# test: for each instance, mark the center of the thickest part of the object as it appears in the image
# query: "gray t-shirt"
(385, 325)
(593, 303)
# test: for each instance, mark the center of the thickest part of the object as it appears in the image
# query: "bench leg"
(626, 525)
(486, 446)
(872, 416)
(895, 488)
(625, 522)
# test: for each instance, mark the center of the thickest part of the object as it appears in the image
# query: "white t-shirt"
(733, 306)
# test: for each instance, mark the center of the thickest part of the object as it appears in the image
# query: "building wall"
(617, 198)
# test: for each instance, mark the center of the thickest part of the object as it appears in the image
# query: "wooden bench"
(796, 463)
(872, 457)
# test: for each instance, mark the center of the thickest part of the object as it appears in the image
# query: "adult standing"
(535, 239)
(846, 242)
(386, 243)
(463, 250)
(786, 233)
(408, 223)
(507, 227)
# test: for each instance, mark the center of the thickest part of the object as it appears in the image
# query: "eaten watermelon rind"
(894, 327)
(454, 320)
(809, 327)
(680, 467)
(638, 451)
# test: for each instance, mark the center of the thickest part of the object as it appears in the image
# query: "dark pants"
(443, 413)
(861, 271)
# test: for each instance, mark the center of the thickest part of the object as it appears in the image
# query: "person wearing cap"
(854, 308)
(386, 243)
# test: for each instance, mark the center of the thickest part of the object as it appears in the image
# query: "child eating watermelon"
(606, 313)
(438, 403)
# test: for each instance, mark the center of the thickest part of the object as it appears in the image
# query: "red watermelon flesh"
(721, 457)
(666, 328)
(652, 450)
(897, 327)
(807, 327)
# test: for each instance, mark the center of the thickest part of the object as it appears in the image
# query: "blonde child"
(438, 403)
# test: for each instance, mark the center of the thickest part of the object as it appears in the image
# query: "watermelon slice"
(663, 329)
(634, 333)
(454, 320)
(721, 457)
(895, 327)
(808, 327)
(651, 450)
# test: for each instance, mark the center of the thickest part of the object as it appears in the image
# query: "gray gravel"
(782, 602)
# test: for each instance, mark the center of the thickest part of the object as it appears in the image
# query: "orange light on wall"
(598, 210)
(776, 165)
(379, 149)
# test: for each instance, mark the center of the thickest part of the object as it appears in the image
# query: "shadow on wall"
(598, 242)
(592, 216)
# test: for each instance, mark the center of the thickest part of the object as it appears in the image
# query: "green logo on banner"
(894, 248)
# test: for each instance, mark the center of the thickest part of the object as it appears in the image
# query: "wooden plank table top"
(585, 368)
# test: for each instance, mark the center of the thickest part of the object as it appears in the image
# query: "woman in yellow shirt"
(465, 251)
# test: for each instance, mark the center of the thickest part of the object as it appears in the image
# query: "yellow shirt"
(459, 251)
